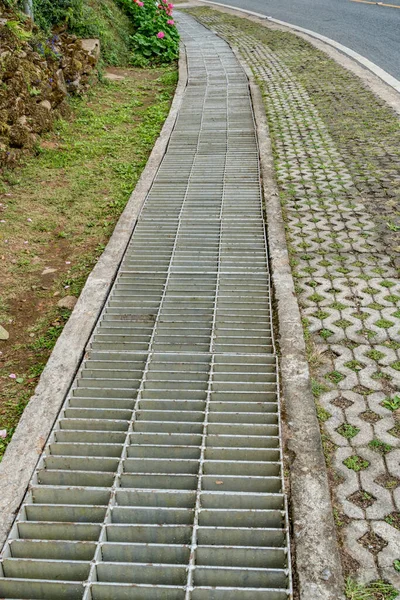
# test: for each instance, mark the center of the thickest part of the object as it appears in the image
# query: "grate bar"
(162, 478)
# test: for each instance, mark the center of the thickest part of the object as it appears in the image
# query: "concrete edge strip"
(29, 439)
(368, 64)
(316, 553)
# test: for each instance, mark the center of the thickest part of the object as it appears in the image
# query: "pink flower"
(140, 3)
(160, 35)
(170, 22)
(3, 433)
(12, 376)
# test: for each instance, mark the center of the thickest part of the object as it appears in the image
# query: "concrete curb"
(29, 439)
(316, 552)
(381, 83)
(318, 563)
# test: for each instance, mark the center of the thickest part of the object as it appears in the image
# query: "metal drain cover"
(162, 478)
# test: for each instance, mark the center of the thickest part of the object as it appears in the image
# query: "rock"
(19, 106)
(48, 271)
(92, 47)
(113, 77)
(61, 82)
(35, 85)
(46, 104)
(20, 136)
(67, 302)
(4, 335)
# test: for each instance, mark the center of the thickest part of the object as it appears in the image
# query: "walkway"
(340, 199)
(164, 468)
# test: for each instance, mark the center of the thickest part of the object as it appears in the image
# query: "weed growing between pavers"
(59, 211)
(376, 590)
(337, 159)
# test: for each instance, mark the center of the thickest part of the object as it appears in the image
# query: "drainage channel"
(162, 478)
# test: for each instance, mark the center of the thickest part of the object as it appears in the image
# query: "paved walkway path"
(164, 468)
(348, 289)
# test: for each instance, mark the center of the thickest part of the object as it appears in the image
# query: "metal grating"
(162, 478)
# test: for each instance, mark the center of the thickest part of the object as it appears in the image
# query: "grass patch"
(60, 210)
(375, 355)
(348, 431)
(318, 388)
(376, 590)
(379, 446)
(322, 414)
(354, 365)
(335, 377)
(356, 463)
(391, 403)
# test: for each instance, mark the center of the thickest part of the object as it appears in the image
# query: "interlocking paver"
(346, 279)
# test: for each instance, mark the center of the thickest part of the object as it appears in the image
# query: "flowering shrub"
(156, 38)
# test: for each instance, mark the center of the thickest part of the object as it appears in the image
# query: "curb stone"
(318, 563)
(316, 552)
(29, 439)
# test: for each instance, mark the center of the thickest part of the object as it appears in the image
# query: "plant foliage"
(153, 38)
(156, 39)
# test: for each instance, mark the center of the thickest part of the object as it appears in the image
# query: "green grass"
(335, 377)
(318, 388)
(375, 355)
(384, 323)
(354, 365)
(325, 333)
(322, 414)
(376, 590)
(73, 192)
(379, 446)
(393, 519)
(348, 431)
(391, 403)
(356, 463)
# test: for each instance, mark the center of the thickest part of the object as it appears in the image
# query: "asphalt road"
(371, 30)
